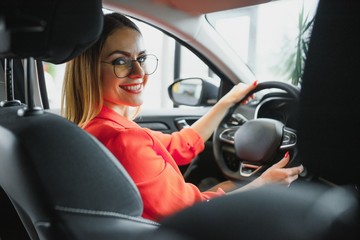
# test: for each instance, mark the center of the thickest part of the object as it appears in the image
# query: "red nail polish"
(255, 83)
(286, 154)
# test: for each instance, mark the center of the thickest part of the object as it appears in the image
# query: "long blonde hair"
(82, 96)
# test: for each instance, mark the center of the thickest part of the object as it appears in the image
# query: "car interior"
(59, 182)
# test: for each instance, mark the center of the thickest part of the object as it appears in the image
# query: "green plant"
(302, 46)
(294, 59)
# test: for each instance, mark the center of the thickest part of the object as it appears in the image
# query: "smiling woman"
(150, 157)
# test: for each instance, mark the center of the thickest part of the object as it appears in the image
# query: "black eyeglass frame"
(132, 65)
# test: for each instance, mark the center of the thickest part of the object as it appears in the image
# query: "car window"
(175, 61)
(273, 45)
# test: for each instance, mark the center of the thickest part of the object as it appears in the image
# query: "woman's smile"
(134, 88)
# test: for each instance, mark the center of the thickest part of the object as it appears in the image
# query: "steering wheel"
(245, 148)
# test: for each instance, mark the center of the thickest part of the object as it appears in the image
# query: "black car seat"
(330, 125)
(62, 182)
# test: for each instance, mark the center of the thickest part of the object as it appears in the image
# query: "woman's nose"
(136, 70)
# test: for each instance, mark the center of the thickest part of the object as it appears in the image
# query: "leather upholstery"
(63, 182)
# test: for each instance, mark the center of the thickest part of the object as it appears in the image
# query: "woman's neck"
(120, 109)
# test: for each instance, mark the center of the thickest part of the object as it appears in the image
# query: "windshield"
(271, 38)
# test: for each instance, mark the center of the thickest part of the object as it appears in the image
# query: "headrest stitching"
(104, 213)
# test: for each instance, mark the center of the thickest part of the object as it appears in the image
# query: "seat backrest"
(62, 182)
(301, 212)
(329, 101)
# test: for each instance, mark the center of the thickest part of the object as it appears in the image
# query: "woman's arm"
(186, 144)
(276, 174)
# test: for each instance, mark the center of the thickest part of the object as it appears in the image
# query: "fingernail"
(287, 154)
(255, 83)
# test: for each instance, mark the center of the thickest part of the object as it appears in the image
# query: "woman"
(103, 83)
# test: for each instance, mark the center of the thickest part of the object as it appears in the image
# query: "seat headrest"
(49, 30)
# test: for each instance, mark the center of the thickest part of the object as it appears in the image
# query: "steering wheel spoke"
(228, 135)
(289, 139)
(247, 169)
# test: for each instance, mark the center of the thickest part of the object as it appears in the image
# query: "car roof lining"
(200, 7)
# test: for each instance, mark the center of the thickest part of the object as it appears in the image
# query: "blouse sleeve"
(155, 173)
(183, 146)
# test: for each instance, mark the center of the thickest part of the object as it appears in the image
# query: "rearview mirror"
(193, 92)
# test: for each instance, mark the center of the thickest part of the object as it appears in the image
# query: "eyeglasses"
(123, 66)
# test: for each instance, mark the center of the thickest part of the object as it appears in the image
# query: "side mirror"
(193, 92)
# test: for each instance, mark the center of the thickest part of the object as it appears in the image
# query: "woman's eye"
(141, 59)
(119, 61)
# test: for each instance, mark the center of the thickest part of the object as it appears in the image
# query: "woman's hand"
(278, 174)
(238, 92)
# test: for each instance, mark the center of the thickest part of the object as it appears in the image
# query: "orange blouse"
(151, 159)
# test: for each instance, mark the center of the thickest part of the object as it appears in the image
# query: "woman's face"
(126, 91)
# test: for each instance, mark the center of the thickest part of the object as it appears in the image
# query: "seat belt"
(9, 84)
